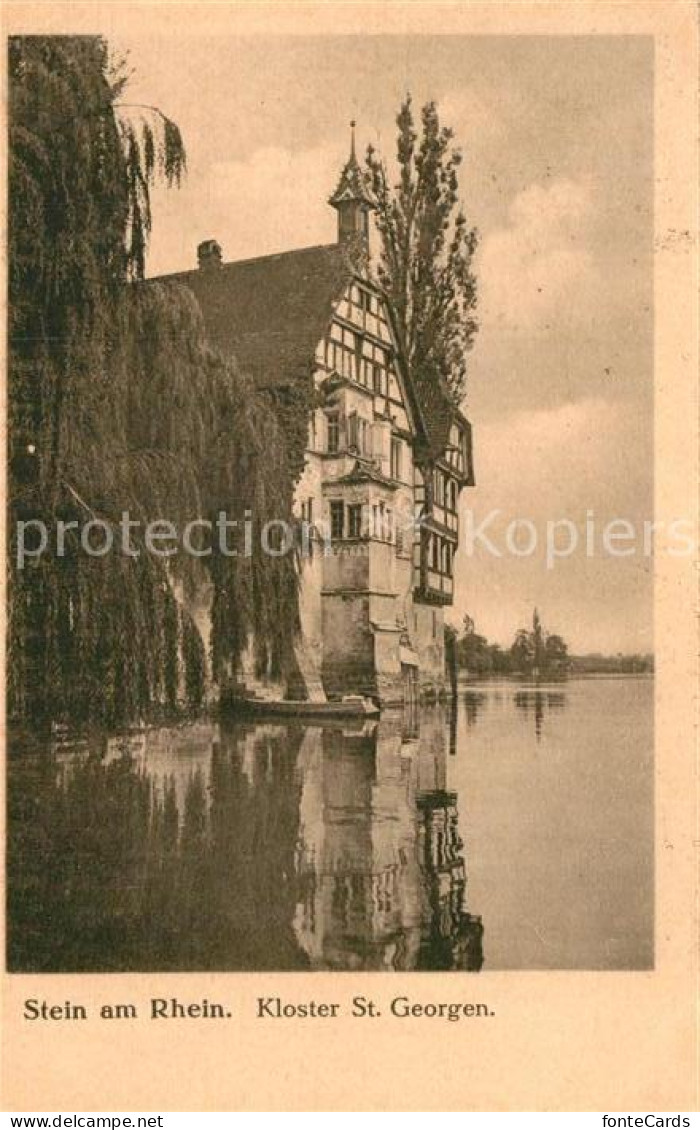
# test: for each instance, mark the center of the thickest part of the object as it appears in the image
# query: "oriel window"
(447, 559)
(355, 521)
(337, 520)
(352, 430)
(333, 433)
(434, 553)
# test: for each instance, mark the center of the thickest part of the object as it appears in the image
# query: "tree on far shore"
(533, 653)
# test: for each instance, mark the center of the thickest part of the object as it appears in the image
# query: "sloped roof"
(352, 185)
(434, 405)
(271, 312)
(437, 410)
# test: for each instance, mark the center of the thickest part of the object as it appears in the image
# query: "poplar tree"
(426, 249)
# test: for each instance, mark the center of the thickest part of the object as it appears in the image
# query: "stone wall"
(428, 637)
(348, 645)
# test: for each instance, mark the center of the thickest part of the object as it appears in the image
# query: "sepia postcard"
(351, 535)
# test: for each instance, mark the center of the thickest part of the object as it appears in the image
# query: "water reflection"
(474, 701)
(536, 703)
(380, 859)
(245, 846)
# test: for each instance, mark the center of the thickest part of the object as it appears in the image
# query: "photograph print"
(330, 503)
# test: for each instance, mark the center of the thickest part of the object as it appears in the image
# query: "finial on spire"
(353, 200)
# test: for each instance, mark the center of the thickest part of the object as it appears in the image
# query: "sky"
(556, 134)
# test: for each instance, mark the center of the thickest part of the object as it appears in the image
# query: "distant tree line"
(536, 653)
(596, 664)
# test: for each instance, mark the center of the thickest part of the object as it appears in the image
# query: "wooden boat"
(352, 706)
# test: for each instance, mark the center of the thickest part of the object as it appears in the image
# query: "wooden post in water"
(451, 664)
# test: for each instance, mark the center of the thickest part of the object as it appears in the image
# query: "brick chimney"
(209, 255)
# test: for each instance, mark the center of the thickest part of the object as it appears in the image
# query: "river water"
(515, 832)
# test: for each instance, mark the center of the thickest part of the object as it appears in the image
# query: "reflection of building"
(245, 846)
(358, 900)
(452, 939)
(380, 861)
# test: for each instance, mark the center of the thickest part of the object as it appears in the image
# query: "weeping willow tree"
(117, 403)
(205, 441)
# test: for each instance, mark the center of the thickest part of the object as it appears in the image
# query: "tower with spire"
(353, 201)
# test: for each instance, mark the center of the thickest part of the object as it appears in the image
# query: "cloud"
(566, 459)
(540, 264)
(544, 465)
(273, 201)
(562, 319)
(474, 116)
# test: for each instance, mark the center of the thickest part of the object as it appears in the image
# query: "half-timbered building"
(385, 463)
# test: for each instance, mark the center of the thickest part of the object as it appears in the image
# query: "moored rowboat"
(352, 706)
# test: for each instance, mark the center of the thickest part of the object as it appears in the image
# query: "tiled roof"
(437, 410)
(270, 312)
(352, 185)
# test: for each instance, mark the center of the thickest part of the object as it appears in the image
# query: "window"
(434, 553)
(363, 437)
(395, 458)
(337, 520)
(365, 305)
(352, 430)
(333, 433)
(377, 379)
(307, 511)
(452, 496)
(354, 521)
